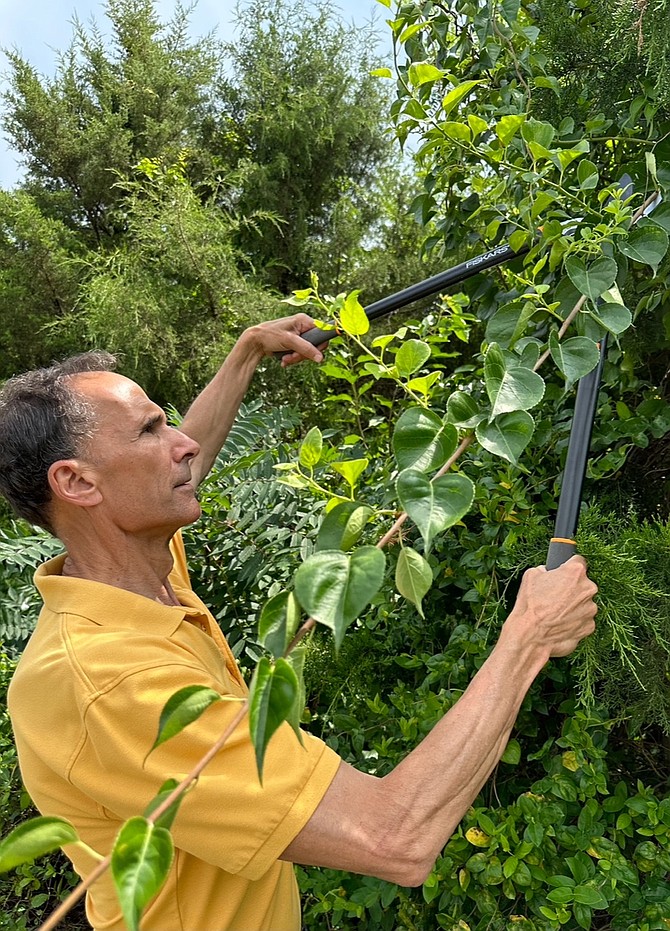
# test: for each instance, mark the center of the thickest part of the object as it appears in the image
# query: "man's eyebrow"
(152, 421)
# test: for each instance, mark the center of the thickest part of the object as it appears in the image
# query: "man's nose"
(187, 448)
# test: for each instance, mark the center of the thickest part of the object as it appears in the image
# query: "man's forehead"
(109, 389)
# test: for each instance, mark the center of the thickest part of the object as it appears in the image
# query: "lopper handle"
(559, 552)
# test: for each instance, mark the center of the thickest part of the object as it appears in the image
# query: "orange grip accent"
(563, 540)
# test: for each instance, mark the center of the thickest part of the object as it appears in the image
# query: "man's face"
(140, 465)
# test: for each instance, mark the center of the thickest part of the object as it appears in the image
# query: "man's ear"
(74, 483)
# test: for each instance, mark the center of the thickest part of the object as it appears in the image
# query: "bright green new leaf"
(477, 124)
(182, 709)
(424, 383)
(507, 435)
(273, 692)
(575, 357)
(462, 410)
(646, 243)
(567, 156)
(342, 526)
(411, 356)
(353, 318)
(278, 622)
(422, 441)
(413, 577)
(508, 126)
(594, 279)
(459, 131)
(335, 587)
(311, 449)
(381, 73)
(423, 73)
(141, 860)
(351, 469)
(386, 3)
(434, 506)
(510, 387)
(456, 95)
(33, 839)
(165, 820)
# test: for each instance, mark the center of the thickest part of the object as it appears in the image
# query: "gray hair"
(43, 419)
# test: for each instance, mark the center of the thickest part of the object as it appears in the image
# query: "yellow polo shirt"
(85, 702)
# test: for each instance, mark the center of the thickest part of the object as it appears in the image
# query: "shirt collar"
(107, 605)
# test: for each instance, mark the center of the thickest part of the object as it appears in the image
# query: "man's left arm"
(210, 417)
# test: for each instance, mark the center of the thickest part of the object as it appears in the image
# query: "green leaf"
(422, 441)
(456, 95)
(33, 839)
(424, 383)
(591, 281)
(434, 505)
(182, 709)
(462, 410)
(353, 318)
(165, 820)
(141, 860)
(508, 127)
(411, 356)
(342, 526)
(575, 357)
(646, 243)
(613, 317)
(512, 752)
(507, 435)
(538, 131)
(459, 131)
(423, 73)
(334, 587)
(587, 175)
(413, 577)
(510, 387)
(311, 449)
(278, 622)
(477, 124)
(350, 469)
(509, 322)
(274, 690)
(381, 73)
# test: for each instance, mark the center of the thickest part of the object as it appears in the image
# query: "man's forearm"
(212, 414)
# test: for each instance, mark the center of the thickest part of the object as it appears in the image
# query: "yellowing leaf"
(569, 760)
(477, 837)
(352, 317)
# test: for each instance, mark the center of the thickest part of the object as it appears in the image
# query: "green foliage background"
(521, 115)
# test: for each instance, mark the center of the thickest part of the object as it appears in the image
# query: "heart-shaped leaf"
(335, 587)
(507, 435)
(413, 576)
(646, 243)
(510, 387)
(422, 441)
(411, 356)
(575, 357)
(353, 318)
(616, 318)
(594, 279)
(141, 860)
(462, 410)
(434, 506)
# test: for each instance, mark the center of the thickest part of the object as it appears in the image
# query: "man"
(86, 454)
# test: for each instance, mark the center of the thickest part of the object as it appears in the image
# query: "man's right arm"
(394, 827)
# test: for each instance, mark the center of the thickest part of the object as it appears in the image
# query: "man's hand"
(554, 609)
(283, 335)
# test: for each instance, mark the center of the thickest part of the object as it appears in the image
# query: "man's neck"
(136, 565)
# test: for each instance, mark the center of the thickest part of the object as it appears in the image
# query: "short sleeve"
(229, 819)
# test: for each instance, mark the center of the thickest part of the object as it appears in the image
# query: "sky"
(41, 28)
